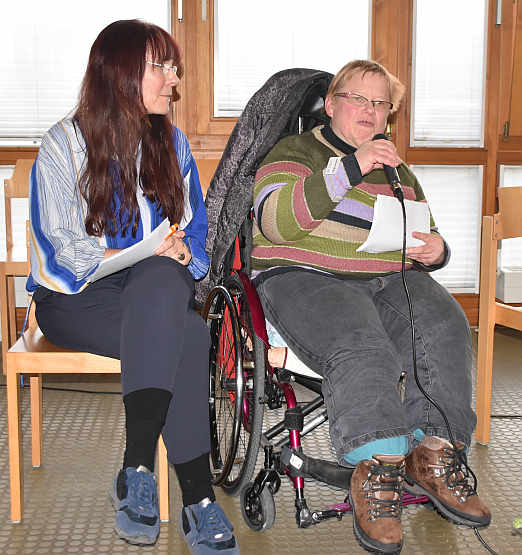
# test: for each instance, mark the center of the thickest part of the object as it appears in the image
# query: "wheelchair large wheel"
(237, 381)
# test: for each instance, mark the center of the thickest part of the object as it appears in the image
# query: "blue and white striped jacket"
(63, 255)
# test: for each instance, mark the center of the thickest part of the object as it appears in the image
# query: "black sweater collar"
(335, 141)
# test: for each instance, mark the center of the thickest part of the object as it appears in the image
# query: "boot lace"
(455, 472)
(383, 489)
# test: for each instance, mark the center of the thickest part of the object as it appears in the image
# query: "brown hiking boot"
(375, 496)
(436, 470)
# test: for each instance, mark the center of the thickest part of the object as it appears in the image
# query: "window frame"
(207, 134)
(411, 85)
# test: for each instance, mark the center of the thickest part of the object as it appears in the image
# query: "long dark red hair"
(115, 125)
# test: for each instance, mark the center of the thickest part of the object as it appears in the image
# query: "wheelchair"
(243, 384)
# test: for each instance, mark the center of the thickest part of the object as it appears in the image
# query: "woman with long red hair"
(104, 179)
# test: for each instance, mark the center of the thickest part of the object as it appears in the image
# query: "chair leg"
(36, 420)
(484, 381)
(15, 447)
(163, 481)
(487, 317)
(4, 314)
(11, 305)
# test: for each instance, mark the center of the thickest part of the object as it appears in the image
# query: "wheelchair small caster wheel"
(258, 509)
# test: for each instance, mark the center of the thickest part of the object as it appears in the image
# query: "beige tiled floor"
(67, 509)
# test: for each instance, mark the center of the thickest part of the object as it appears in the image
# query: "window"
(454, 194)
(449, 69)
(45, 48)
(254, 40)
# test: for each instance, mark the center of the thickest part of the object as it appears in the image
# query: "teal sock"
(418, 434)
(387, 446)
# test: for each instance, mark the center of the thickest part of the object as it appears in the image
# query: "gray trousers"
(357, 335)
(144, 316)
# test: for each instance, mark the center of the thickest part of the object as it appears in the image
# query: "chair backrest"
(312, 112)
(17, 186)
(506, 223)
(510, 205)
(30, 316)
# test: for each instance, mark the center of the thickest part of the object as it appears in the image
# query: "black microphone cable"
(461, 458)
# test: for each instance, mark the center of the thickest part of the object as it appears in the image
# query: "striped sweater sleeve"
(63, 255)
(290, 198)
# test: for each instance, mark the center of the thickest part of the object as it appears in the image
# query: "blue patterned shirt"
(63, 255)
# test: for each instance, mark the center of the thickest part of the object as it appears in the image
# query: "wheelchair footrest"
(340, 509)
(325, 471)
(407, 499)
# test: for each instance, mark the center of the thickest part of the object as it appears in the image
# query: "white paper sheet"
(386, 231)
(131, 255)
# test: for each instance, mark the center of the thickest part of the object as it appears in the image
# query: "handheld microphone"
(391, 173)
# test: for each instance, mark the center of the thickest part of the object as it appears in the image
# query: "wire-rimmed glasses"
(165, 67)
(362, 102)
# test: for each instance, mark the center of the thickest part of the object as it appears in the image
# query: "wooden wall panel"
(9, 155)
(206, 169)
(391, 39)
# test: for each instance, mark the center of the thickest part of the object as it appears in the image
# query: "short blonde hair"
(397, 89)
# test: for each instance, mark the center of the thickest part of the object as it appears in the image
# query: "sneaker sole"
(115, 502)
(444, 510)
(371, 545)
(140, 540)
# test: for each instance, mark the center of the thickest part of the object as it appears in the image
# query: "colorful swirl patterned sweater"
(313, 211)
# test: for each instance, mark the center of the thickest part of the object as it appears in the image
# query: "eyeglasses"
(165, 68)
(361, 101)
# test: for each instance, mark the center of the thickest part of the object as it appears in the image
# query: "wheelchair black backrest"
(312, 111)
(290, 102)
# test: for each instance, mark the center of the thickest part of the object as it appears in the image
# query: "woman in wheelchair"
(344, 312)
(104, 179)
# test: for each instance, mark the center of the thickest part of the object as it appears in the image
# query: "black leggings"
(144, 316)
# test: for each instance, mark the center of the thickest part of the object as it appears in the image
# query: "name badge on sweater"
(333, 165)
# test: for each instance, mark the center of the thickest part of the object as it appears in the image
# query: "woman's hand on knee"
(175, 248)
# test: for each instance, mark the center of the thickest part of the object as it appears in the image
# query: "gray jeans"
(357, 335)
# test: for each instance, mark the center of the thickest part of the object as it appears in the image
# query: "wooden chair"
(15, 263)
(32, 354)
(507, 223)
